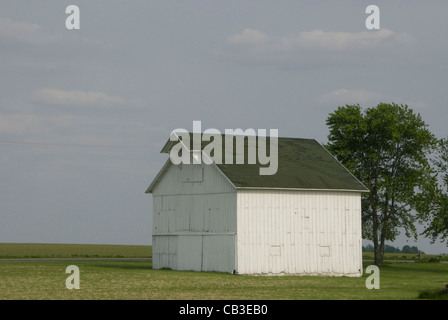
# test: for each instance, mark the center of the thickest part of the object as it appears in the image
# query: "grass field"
(39, 250)
(121, 280)
(408, 257)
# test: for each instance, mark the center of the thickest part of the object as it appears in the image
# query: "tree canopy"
(387, 147)
(437, 211)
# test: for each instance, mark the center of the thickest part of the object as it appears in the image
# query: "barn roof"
(302, 164)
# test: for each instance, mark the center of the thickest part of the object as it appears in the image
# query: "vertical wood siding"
(194, 220)
(299, 232)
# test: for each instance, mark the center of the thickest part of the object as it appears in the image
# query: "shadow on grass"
(432, 295)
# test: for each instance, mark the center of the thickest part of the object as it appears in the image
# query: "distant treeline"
(392, 249)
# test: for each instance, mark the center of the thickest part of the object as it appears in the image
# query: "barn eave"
(302, 189)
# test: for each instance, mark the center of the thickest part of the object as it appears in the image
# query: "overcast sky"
(84, 113)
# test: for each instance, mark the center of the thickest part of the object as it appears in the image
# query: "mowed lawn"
(105, 280)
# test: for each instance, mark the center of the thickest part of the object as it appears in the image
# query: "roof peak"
(303, 163)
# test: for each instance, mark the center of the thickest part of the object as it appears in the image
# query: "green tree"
(409, 249)
(387, 147)
(368, 248)
(391, 249)
(437, 211)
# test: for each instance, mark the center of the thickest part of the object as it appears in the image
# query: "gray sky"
(84, 113)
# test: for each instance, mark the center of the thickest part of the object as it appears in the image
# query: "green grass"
(39, 250)
(105, 280)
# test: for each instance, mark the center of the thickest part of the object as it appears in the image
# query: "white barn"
(305, 219)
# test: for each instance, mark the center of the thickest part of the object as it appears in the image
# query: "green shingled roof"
(302, 164)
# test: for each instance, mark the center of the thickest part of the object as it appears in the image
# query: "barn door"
(190, 253)
(325, 261)
(275, 259)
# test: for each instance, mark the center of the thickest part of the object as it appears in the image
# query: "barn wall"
(299, 232)
(194, 220)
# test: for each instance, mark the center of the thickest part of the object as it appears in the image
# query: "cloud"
(413, 104)
(343, 41)
(19, 123)
(38, 125)
(17, 33)
(77, 98)
(350, 96)
(249, 36)
(253, 44)
(24, 32)
(366, 98)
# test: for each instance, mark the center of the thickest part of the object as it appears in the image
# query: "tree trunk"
(380, 256)
(378, 248)
(379, 252)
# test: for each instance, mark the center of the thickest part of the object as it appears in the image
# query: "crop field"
(408, 257)
(44, 250)
(136, 280)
